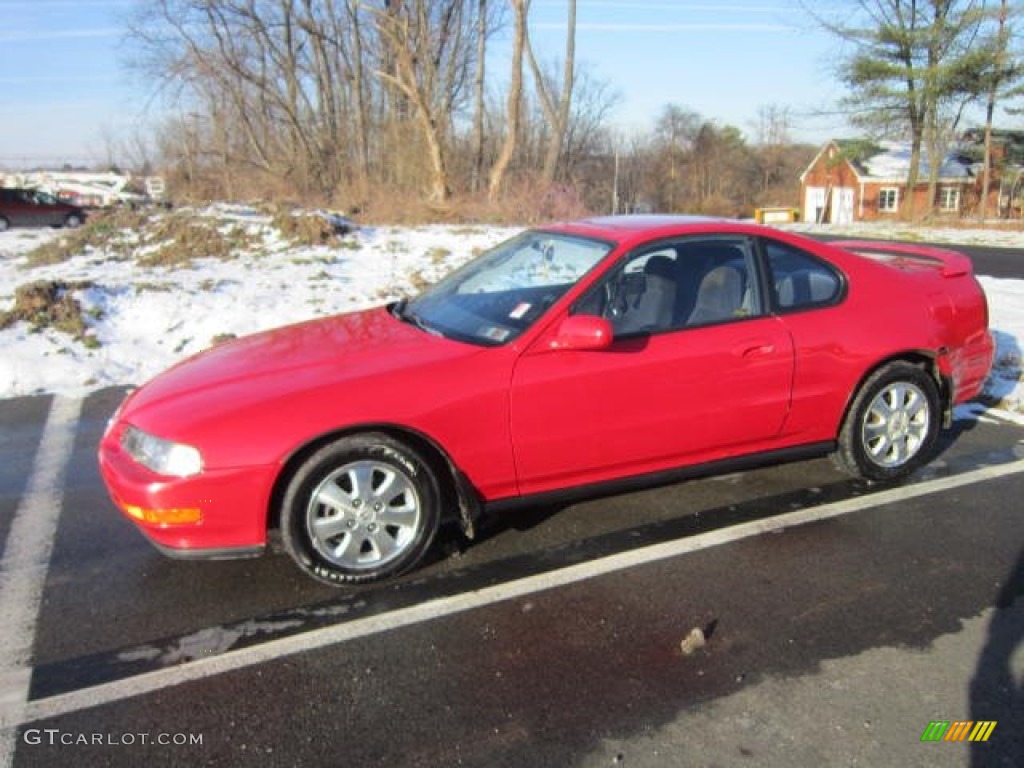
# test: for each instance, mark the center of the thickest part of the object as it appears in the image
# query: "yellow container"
(776, 215)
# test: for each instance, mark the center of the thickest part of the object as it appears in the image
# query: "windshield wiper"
(401, 312)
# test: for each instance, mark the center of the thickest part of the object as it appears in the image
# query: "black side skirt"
(664, 477)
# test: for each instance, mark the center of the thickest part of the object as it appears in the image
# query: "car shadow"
(996, 689)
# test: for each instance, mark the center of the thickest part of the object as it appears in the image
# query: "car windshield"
(499, 295)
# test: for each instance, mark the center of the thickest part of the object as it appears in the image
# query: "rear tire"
(73, 221)
(892, 426)
(4, 224)
(361, 509)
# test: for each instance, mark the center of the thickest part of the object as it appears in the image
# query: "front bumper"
(232, 505)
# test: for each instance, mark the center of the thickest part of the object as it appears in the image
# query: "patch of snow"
(147, 319)
(894, 163)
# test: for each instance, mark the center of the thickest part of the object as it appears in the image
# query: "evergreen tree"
(906, 68)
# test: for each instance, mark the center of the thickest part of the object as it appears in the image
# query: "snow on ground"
(146, 319)
(1006, 320)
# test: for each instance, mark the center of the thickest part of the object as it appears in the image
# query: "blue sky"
(65, 92)
(61, 79)
(721, 59)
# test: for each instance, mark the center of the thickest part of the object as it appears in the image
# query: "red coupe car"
(580, 357)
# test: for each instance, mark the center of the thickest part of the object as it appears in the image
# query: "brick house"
(857, 181)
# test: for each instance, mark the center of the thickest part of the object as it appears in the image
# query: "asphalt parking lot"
(841, 619)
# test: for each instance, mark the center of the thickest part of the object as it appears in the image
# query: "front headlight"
(161, 456)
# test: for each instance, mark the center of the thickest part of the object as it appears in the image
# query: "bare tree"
(557, 114)
(324, 98)
(521, 9)
(477, 150)
(773, 132)
(430, 44)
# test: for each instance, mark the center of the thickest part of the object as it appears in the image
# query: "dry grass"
(524, 202)
(103, 229)
(419, 281)
(221, 338)
(437, 256)
(175, 239)
(303, 228)
(49, 304)
(183, 237)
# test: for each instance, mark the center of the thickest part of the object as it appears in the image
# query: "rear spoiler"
(953, 263)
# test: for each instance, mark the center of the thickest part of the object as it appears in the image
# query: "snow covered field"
(140, 320)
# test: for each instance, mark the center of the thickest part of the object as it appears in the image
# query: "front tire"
(892, 426)
(361, 509)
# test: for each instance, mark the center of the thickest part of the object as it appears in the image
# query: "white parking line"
(434, 609)
(25, 562)
(1013, 417)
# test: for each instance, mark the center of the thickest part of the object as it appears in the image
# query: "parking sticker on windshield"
(495, 334)
(520, 310)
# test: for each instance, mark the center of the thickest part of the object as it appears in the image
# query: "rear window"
(800, 280)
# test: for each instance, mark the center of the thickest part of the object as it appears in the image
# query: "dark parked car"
(32, 208)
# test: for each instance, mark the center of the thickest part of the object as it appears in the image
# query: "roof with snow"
(889, 162)
(893, 163)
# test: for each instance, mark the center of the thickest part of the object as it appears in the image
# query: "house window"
(949, 198)
(888, 199)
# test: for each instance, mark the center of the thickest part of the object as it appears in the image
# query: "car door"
(28, 211)
(15, 209)
(705, 373)
(48, 210)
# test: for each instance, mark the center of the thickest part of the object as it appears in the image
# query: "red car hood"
(282, 363)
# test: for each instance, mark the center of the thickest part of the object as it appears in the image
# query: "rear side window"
(800, 280)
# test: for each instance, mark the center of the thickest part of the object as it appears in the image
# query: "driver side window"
(693, 282)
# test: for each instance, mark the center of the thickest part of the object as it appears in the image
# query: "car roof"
(630, 227)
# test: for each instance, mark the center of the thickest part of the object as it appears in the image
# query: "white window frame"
(883, 194)
(949, 195)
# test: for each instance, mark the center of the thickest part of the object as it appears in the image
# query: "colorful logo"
(958, 730)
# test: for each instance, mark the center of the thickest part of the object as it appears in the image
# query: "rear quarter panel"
(967, 338)
(884, 314)
(963, 347)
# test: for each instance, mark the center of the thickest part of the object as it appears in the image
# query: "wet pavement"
(555, 638)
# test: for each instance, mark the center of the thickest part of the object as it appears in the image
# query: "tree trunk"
(477, 148)
(557, 140)
(990, 107)
(418, 51)
(515, 99)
